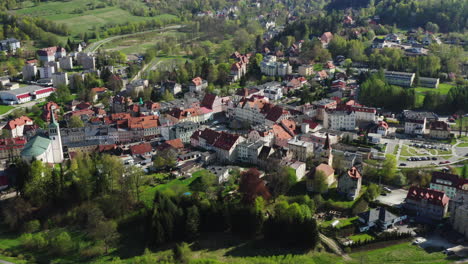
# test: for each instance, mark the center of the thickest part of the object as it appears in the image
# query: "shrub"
(32, 226)
(39, 241)
(26, 240)
(62, 243)
(182, 253)
(93, 251)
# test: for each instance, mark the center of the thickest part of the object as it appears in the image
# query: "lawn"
(337, 200)
(343, 222)
(361, 237)
(180, 184)
(443, 89)
(395, 151)
(463, 145)
(5, 108)
(405, 151)
(401, 253)
(90, 20)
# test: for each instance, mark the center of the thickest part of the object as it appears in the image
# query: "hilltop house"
(378, 217)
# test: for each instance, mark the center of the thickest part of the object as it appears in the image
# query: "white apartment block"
(59, 78)
(340, 120)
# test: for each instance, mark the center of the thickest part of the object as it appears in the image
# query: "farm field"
(89, 20)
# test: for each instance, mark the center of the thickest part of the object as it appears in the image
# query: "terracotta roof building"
(427, 203)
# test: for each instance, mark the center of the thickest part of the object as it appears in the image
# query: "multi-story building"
(274, 92)
(427, 203)
(29, 71)
(459, 211)
(300, 150)
(247, 152)
(322, 106)
(271, 67)
(404, 79)
(416, 126)
(46, 72)
(349, 184)
(439, 130)
(10, 148)
(197, 85)
(59, 78)
(340, 120)
(182, 130)
(66, 63)
(448, 183)
(306, 70)
(51, 53)
(226, 145)
(429, 82)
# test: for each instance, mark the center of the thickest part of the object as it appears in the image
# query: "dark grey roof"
(377, 214)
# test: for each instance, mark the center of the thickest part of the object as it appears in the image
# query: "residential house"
(326, 38)
(448, 183)
(439, 130)
(172, 87)
(10, 148)
(182, 130)
(322, 106)
(10, 45)
(378, 217)
(141, 149)
(349, 184)
(379, 43)
(325, 168)
(137, 86)
(330, 67)
(214, 103)
(47, 111)
(197, 85)
(415, 125)
(427, 203)
(15, 128)
(273, 92)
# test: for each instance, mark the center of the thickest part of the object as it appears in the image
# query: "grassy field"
(361, 237)
(5, 108)
(140, 43)
(90, 20)
(343, 222)
(443, 89)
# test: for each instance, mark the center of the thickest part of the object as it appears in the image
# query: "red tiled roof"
(21, 96)
(143, 122)
(175, 143)
(82, 112)
(20, 121)
(432, 196)
(210, 136)
(12, 143)
(275, 113)
(99, 90)
(440, 126)
(50, 51)
(45, 90)
(83, 105)
(208, 100)
(197, 81)
(326, 169)
(354, 173)
(383, 124)
(226, 141)
(141, 149)
(102, 148)
(280, 132)
(453, 179)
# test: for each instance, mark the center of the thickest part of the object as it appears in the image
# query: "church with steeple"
(325, 168)
(47, 149)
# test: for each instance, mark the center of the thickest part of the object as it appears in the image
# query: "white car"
(419, 240)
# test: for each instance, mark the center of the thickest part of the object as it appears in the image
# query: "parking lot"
(397, 196)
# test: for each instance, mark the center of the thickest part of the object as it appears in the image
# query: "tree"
(281, 181)
(75, 122)
(389, 167)
(136, 176)
(359, 206)
(192, 224)
(251, 186)
(167, 96)
(372, 192)
(432, 27)
(319, 182)
(106, 231)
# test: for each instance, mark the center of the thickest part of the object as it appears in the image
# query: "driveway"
(397, 196)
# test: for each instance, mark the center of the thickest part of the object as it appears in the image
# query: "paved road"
(25, 105)
(5, 262)
(96, 45)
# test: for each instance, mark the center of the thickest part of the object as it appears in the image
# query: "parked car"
(434, 158)
(387, 189)
(419, 240)
(402, 164)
